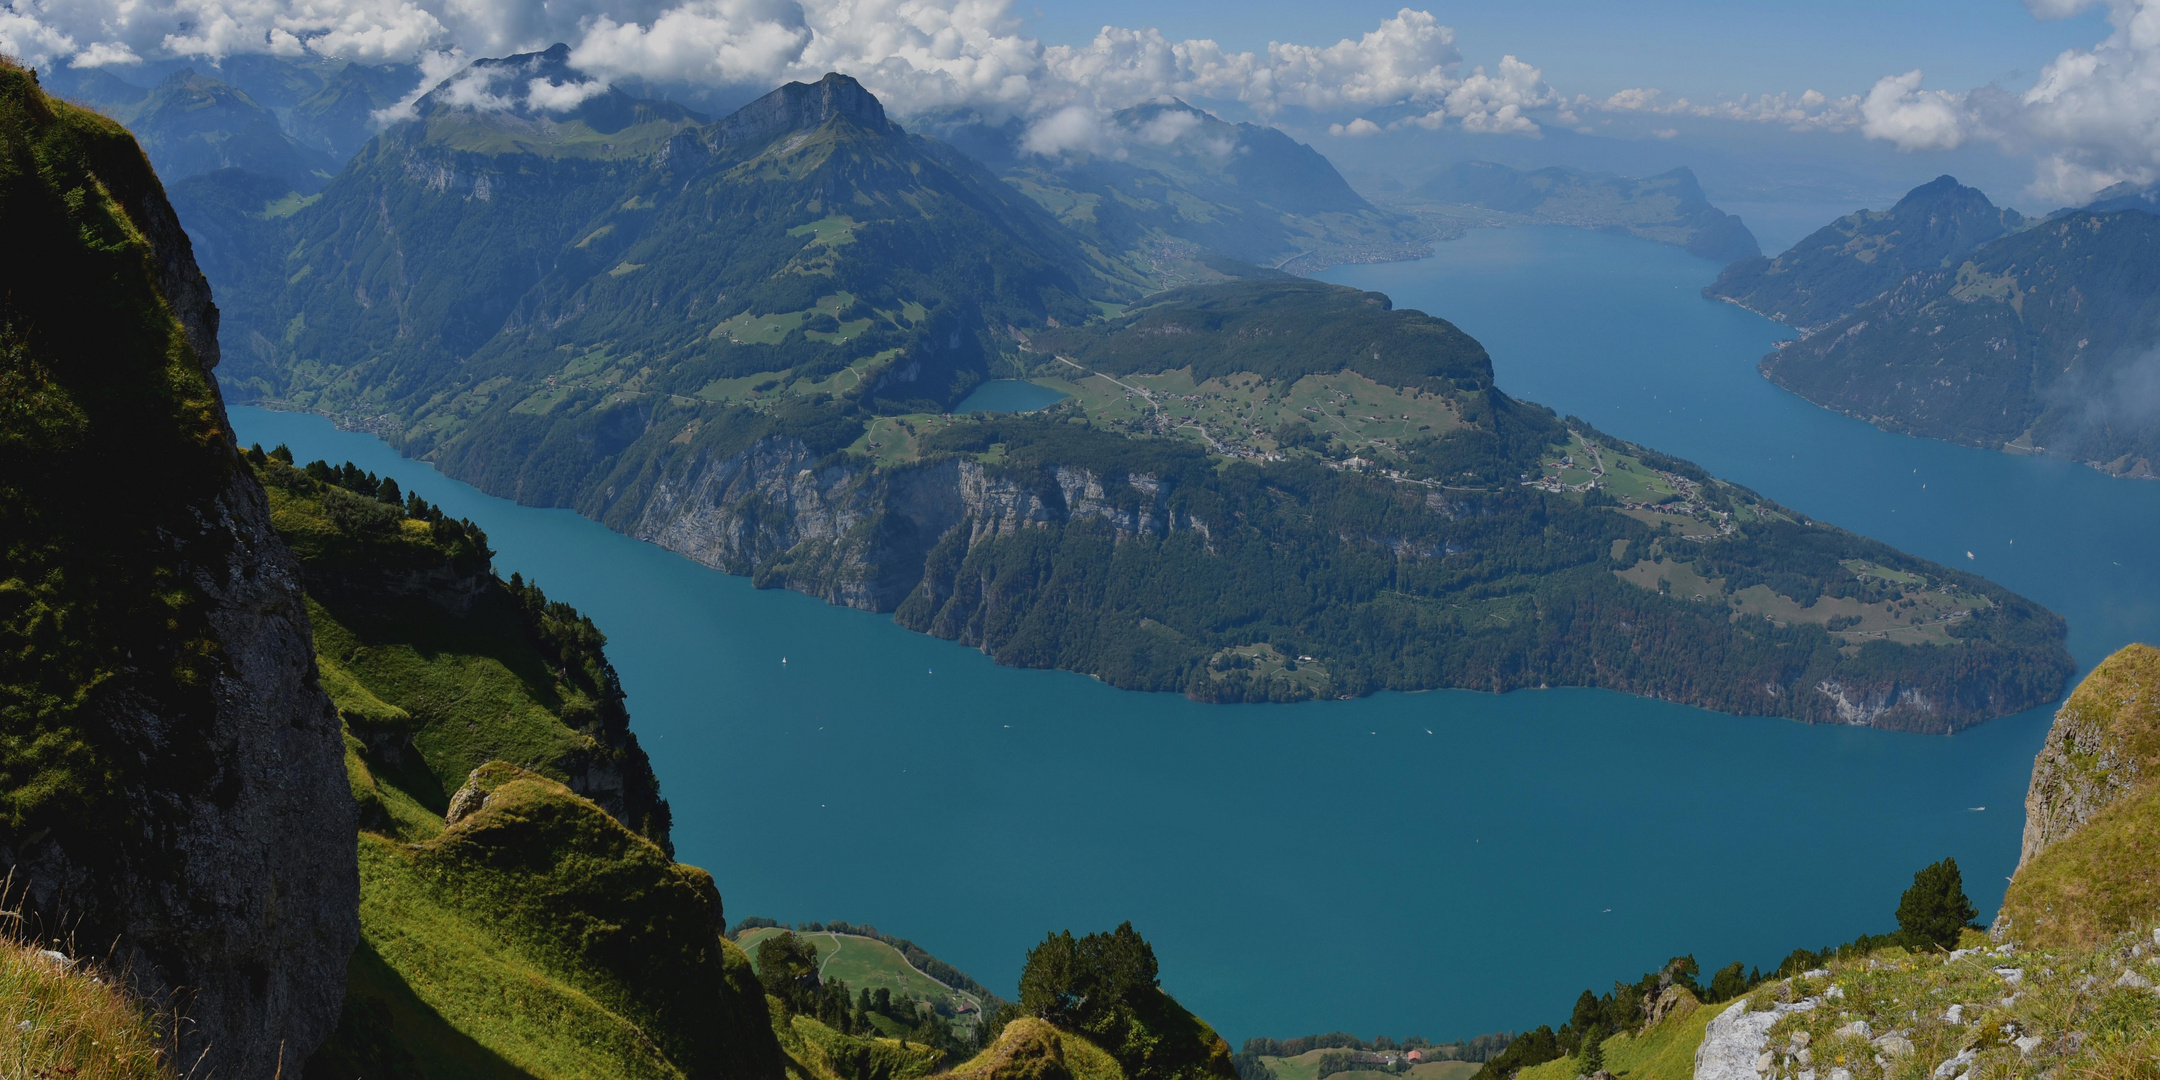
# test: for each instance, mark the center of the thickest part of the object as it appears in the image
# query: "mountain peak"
(1946, 189)
(801, 107)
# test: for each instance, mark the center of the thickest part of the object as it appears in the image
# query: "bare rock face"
(860, 538)
(209, 842)
(2105, 738)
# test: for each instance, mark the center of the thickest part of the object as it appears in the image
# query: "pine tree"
(1592, 1058)
(1935, 910)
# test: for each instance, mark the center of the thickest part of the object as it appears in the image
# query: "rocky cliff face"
(860, 538)
(2090, 869)
(2104, 742)
(196, 817)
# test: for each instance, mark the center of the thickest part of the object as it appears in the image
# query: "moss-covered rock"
(1032, 1049)
(2091, 863)
(536, 936)
(170, 777)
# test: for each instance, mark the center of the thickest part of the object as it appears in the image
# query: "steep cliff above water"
(2090, 868)
(170, 772)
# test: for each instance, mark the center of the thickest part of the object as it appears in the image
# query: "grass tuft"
(65, 1017)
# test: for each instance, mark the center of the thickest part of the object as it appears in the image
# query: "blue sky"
(1700, 48)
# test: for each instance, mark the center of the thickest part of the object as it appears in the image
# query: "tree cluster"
(788, 970)
(1104, 987)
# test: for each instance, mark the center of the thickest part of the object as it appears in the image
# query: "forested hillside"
(2039, 342)
(741, 339)
(664, 261)
(1853, 259)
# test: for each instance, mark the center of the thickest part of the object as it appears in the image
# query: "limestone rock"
(468, 801)
(1736, 1039)
(2102, 741)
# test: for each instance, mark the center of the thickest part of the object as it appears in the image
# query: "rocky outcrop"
(1735, 1041)
(1864, 705)
(208, 839)
(2104, 740)
(2088, 869)
(799, 107)
(860, 537)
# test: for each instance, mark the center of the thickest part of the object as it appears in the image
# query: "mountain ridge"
(1851, 260)
(1668, 208)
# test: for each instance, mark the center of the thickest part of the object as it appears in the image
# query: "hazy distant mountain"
(2123, 196)
(1669, 208)
(1171, 185)
(2047, 340)
(339, 118)
(190, 124)
(1856, 257)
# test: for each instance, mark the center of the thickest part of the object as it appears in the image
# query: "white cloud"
(915, 54)
(545, 96)
(1809, 111)
(1072, 129)
(434, 68)
(706, 41)
(1169, 126)
(32, 40)
(104, 54)
(2093, 116)
(1357, 128)
(1898, 110)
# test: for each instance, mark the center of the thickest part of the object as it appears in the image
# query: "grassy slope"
(864, 964)
(58, 1019)
(549, 939)
(1664, 1052)
(2103, 879)
(536, 935)
(814, 1051)
(2055, 994)
(1030, 1049)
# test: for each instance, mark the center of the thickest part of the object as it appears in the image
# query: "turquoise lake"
(1440, 864)
(1009, 395)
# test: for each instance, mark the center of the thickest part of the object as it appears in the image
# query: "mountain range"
(1948, 317)
(296, 784)
(293, 784)
(744, 340)
(1669, 208)
(1175, 190)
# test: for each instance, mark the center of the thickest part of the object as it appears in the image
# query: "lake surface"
(1009, 395)
(1438, 864)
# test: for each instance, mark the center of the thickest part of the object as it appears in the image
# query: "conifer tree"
(1935, 910)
